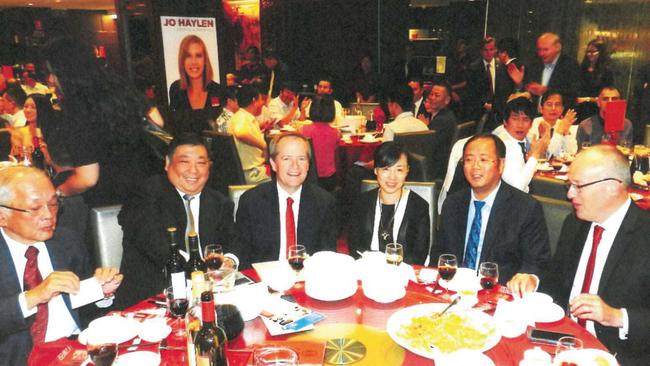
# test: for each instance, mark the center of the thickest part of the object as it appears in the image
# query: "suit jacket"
(565, 77)
(444, 123)
(258, 223)
(413, 234)
(625, 282)
(145, 217)
(516, 237)
(478, 89)
(67, 253)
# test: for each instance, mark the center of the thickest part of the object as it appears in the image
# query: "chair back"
(555, 211)
(235, 192)
(465, 129)
(226, 167)
(647, 135)
(106, 235)
(548, 187)
(5, 144)
(422, 144)
(481, 123)
(426, 190)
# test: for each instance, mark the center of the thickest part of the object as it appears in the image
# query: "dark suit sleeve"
(534, 244)
(358, 227)
(553, 280)
(422, 232)
(327, 232)
(244, 230)
(11, 316)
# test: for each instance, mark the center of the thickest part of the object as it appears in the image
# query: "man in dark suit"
(419, 96)
(277, 215)
(39, 266)
(510, 73)
(600, 271)
(443, 122)
(552, 70)
(492, 221)
(162, 202)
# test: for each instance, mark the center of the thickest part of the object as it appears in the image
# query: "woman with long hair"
(595, 74)
(38, 113)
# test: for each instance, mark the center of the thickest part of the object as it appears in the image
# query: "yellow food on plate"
(448, 333)
(601, 361)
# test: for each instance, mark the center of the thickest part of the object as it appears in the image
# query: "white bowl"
(154, 330)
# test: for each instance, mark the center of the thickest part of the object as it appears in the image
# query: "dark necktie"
(489, 80)
(589, 271)
(190, 228)
(522, 145)
(32, 278)
(290, 226)
(471, 251)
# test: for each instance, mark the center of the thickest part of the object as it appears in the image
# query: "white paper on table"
(89, 291)
(281, 308)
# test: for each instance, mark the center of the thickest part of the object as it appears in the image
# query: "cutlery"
(448, 307)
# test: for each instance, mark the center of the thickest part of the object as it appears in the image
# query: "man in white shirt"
(284, 108)
(277, 215)
(14, 100)
(324, 87)
(600, 270)
(521, 154)
(231, 107)
(563, 132)
(40, 267)
(419, 95)
(31, 85)
(400, 101)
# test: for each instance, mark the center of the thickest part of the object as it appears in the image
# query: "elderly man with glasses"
(600, 272)
(40, 266)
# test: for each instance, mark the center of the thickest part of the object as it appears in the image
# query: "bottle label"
(207, 311)
(203, 361)
(179, 284)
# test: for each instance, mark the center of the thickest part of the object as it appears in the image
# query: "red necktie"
(32, 278)
(589, 272)
(291, 226)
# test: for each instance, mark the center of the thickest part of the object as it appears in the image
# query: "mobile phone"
(288, 297)
(242, 279)
(545, 336)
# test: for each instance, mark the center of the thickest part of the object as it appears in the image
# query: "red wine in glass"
(446, 272)
(488, 282)
(214, 261)
(102, 354)
(178, 307)
(297, 263)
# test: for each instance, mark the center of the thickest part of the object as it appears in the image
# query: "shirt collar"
(613, 222)
(552, 64)
(509, 136)
(283, 195)
(182, 194)
(19, 249)
(486, 63)
(489, 200)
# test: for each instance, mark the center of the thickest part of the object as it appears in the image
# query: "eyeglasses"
(481, 161)
(578, 187)
(51, 206)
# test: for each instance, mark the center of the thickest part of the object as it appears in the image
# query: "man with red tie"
(276, 215)
(600, 271)
(40, 266)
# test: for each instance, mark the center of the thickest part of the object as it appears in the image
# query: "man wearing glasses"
(39, 266)
(600, 272)
(591, 130)
(492, 221)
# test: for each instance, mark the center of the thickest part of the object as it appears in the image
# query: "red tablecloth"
(355, 310)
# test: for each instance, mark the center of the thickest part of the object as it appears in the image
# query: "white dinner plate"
(154, 330)
(139, 358)
(544, 167)
(117, 329)
(548, 313)
(586, 357)
(464, 357)
(404, 316)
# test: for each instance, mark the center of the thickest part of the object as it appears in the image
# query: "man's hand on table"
(109, 278)
(522, 283)
(54, 284)
(592, 307)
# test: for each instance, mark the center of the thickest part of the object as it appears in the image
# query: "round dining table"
(356, 317)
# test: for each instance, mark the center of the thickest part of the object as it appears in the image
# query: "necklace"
(385, 230)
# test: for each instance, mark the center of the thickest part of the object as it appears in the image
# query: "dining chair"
(555, 211)
(106, 235)
(463, 130)
(235, 192)
(647, 135)
(426, 190)
(420, 146)
(226, 167)
(548, 187)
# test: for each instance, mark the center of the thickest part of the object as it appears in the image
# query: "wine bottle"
(38, 159)
(210, 342)
(175, 266)
(195, 263)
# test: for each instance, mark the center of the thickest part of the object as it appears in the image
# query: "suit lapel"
(459, 247)
(271, 197)
(621, 241)
(500, 205)
(8, 269)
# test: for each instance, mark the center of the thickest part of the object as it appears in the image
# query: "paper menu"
(615, 116)
(89, 291)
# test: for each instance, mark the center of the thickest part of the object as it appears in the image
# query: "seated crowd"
(598, 272)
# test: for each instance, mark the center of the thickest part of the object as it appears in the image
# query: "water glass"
(567, 343)
(275, 356)
(394, 253)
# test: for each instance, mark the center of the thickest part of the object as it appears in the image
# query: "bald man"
(39, 266)
(552, 70)
(600, 272)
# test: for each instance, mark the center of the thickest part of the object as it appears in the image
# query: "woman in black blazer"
(391, 213)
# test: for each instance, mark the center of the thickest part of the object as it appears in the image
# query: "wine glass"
(394, 253)
(567, 343)
(101, 351)
(213, 256)
(177, 304)
(275, 356)
(296, 258)
(489, 273)
(447, 265)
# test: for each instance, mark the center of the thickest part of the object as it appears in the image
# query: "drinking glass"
(275, 356)
(447, 265)
(586, 144)
(177, 304)
(394, 253)
(213, 255)
(297, 256)
(566, 344)
(101, 350)
(489, 273)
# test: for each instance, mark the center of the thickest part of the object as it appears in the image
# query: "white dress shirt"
(559, 144)
(60, 322)
(548, 71)
(278, 109)
(517, 172)
(282, 198)
(611, 226)
(485, 216)
(416, 106)
(195, 205)
(397, 219)
(404, 122)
